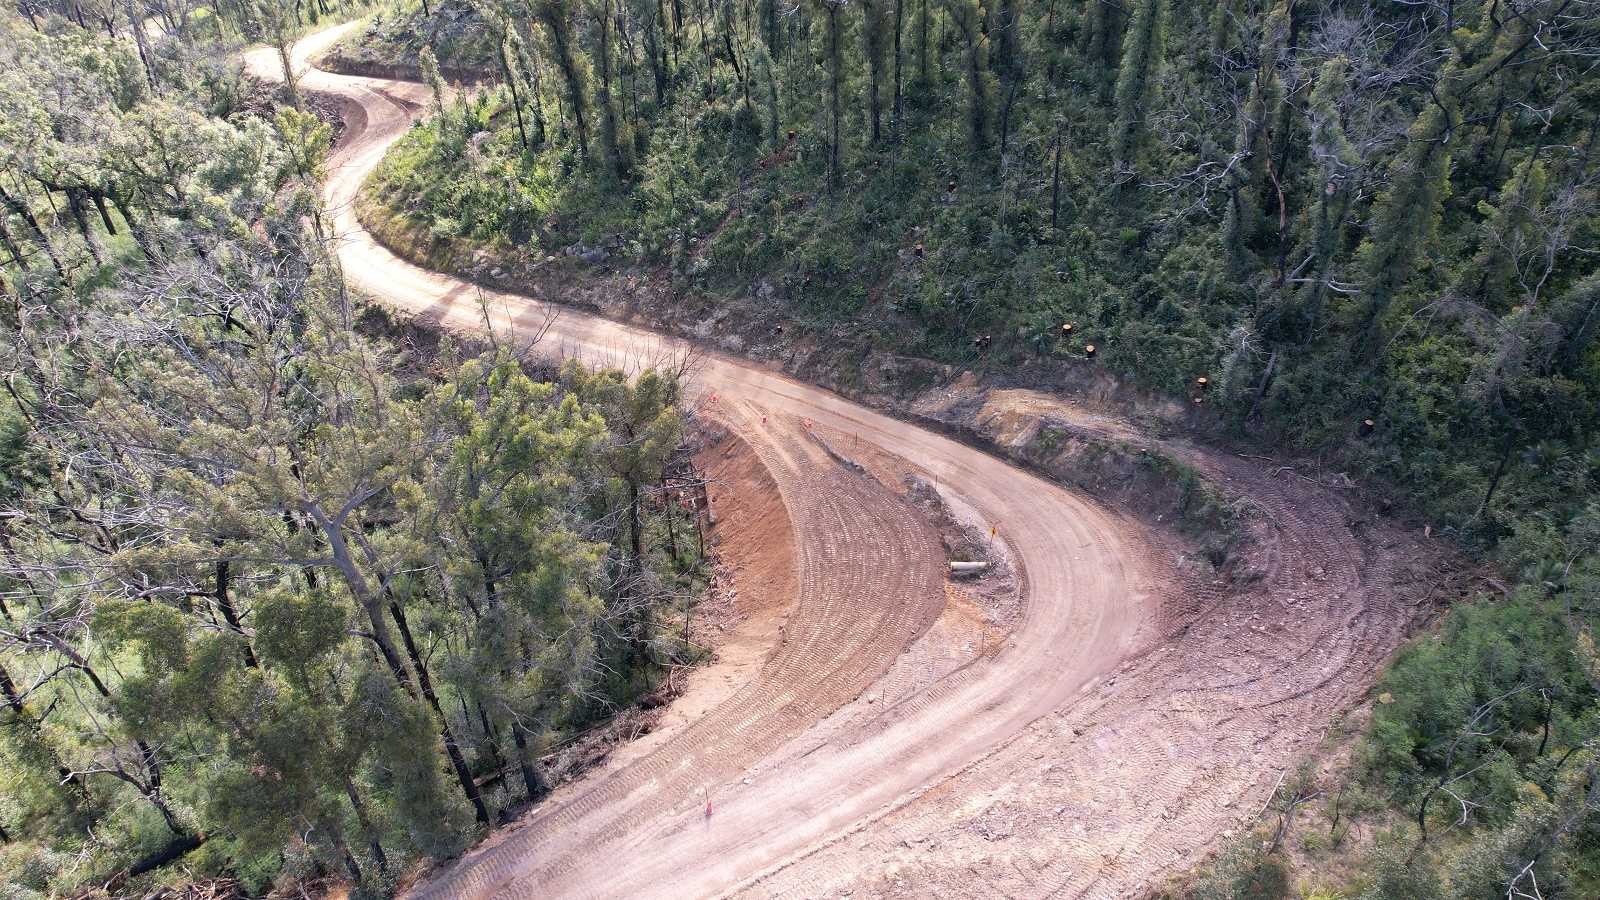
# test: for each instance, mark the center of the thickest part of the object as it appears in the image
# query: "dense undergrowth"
(1370, 227)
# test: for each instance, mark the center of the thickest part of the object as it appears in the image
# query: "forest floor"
(1147, 656)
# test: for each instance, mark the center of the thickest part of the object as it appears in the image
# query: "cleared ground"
(1130, 711)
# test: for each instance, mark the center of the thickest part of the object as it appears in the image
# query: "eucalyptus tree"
(555, 18)
(501, 527)
(1143, 44)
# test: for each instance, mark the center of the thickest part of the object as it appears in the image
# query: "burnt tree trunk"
(452, 749)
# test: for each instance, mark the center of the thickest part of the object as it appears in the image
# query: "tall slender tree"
(555, 16)
(1137, 80)
(875, 40)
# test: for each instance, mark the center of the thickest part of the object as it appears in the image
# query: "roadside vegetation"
(290, 594)
(1371, 227)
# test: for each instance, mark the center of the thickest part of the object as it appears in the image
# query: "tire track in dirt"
(1104, 797)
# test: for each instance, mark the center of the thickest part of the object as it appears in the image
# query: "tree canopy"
(288, 592)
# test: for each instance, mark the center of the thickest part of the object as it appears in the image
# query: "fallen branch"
(1273, 795)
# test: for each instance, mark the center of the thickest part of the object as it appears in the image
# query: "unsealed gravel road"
(870, 582)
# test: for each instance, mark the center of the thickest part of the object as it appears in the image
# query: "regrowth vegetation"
(1370, 226)
(286, 597)
(287, 592)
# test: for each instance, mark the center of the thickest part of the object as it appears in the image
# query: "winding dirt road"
(806, 811)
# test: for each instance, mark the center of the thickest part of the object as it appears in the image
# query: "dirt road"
(842, 812)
